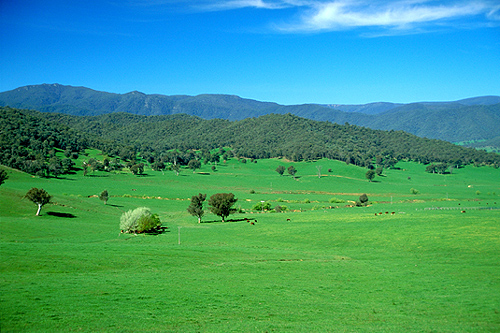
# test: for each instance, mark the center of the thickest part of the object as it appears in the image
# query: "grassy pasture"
(341, 270)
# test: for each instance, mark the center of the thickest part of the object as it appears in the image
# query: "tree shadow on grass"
(157, 231)
(231, 220)
(66, 215)
(114, 205)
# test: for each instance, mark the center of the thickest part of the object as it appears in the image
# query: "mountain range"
(474, 120)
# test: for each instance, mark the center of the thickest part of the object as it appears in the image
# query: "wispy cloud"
(398, 16)
(346, 14)
(236, 4)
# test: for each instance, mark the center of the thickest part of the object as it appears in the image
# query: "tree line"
(29, 139)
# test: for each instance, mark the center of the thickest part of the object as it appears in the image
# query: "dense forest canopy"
(28, 140)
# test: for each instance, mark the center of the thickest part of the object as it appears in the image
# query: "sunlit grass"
(324, 269)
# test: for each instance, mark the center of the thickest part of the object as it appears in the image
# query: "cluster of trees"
(291, 170)
(221, 204)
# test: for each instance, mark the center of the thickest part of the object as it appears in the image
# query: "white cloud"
(331, 15)
(345, 14)
(235, 4)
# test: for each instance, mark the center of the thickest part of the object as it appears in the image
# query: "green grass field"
(340, 269)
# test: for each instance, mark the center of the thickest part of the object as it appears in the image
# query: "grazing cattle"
(288, 220)
(252, 223)
(463, 211)
(134, 189)
(376, 214)
(387, 212)
(393, 213)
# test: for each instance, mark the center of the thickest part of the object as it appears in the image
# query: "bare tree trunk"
(39, 209)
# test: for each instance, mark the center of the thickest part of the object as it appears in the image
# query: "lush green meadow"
(329, 268)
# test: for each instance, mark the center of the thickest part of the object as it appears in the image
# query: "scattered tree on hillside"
(379, 171)
(319, 170)
(158, 166)
(3, 176)
(292, 171)
(441, 168)
(281, 170)
(137, 169)
(39, 196)
(104, 196)
(363, 200)
(194, 164)
(221, 204)
(431, 168)
(196, 206)
(370, 174)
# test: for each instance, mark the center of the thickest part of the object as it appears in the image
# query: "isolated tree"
(194, 164)
(292, 171)
(39, 197)
(319, 170)
(363, 198)
(281, 170)
(104, 196)
(196, 206)
(221, 204)
(379, 171)
(3, 176)
(370, 174)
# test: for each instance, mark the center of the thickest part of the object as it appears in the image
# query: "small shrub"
(148, 223)
(363, 199)
(307, 201)
(280, 209)
(413, 191)
(478, 192)
(252, 191)
(335, 200)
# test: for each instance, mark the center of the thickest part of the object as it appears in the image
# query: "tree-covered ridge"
(29, 142)
(273, 135)
(470, 119)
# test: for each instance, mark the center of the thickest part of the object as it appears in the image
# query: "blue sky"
(284, 51)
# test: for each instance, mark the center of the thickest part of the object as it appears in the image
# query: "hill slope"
(469, 119)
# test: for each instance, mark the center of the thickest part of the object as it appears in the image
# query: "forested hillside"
(465, 120)
(29, 140)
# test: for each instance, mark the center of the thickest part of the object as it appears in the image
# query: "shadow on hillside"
(231, 220)
(119, 206)
(66, 215)
(158, 231)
